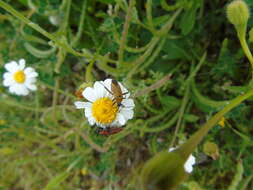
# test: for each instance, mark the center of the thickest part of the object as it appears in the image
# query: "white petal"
(21, 64)
(89, 94)
(19, 89)
(12, 89)
(7, 75)
(32, 75)
(99, 90)
(31, 86)
(11, 67)
(8, 82)
(88, 112)
(171, 149)
(91, 121)
(128, 114)
(121, 119)
(101, 125)
(23, 90)
(108, 83)
(28, 70)
(82, 105)
(128, 103)
(188, 166)
(30, 80)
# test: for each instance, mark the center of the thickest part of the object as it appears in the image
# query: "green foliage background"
(45, 143)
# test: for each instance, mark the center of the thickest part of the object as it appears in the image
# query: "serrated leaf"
(226, 62)
(107, 26)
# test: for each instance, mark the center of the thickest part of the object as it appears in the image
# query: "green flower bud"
(163, 172)
(238, 13)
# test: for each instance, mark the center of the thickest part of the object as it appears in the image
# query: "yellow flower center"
(104, 110)
(19, 76)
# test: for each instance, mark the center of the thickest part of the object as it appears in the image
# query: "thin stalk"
(125, 31)
(81, 24)
(55, 98)
(246, 50)
(149, 15)
(188, 147)
(181, 114)
(153, 87)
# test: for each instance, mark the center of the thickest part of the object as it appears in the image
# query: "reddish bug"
(79, 94)
(110, 131)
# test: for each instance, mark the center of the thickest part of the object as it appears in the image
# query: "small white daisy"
(19, 79)
(102, 109)
(188, 166)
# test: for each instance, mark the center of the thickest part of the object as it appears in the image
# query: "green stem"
(181, 114)
(245, 48)
(125, 31)
(80, 26)
(149, 15)
(188, 147)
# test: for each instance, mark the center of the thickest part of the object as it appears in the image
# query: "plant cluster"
(182, 62)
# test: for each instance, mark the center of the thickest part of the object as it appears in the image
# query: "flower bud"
(164, 171)
(238, 12)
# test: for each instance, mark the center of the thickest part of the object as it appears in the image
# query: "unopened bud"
(238, 13)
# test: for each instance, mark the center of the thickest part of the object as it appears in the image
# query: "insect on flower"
(116, 92)
(107, 108)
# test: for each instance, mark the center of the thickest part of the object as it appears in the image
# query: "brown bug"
(110, 131)
(116, 92)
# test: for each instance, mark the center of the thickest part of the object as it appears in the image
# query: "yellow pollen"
(104, 110)
(19, 76)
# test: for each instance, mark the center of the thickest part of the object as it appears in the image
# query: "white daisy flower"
(19, 79)
(102, 109)
(188, 166)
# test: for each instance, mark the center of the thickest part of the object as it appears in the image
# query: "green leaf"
(188, 21)
(171, 101)
(39, 53)
(56, 181)
(238, 176)
(175, 50)
(226, 62)
(191, 118)
(204, 103)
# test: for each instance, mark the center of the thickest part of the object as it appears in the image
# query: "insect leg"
(106, 88)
